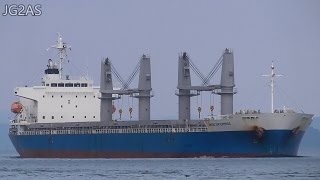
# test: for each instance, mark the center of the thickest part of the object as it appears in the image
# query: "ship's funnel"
(106, 98)
(227, 83)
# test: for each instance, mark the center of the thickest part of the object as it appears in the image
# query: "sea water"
(304, 167)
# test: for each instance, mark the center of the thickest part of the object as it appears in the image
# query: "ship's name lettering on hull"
(220, 124)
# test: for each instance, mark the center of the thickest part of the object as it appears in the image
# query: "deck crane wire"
(133, 74)
(213, 70)
(118, 76)
(205, 79)
(125, 84)
(196, 70)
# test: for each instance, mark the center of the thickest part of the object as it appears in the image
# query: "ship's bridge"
(48, 81)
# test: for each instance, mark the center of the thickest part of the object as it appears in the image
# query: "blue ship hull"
(159, 145)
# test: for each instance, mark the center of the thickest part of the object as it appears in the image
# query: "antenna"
(272, 82)
(62, 49)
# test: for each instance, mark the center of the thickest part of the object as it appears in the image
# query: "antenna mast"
(272, 84)
(62, 49)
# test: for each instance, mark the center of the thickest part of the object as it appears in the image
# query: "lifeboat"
(16, 107)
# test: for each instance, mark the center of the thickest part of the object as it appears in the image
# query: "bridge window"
(76, 84)
(68, 85)
(60, 84)
(53, 84)
(84, 85)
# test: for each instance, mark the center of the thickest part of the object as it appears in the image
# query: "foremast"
(272, 76)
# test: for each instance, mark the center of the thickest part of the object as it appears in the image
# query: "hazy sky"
(287, 32)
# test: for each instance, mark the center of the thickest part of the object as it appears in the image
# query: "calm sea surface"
(12, 167)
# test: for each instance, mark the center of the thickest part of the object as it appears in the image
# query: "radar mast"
(62, 49)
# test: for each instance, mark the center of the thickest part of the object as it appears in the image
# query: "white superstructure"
(59, 99)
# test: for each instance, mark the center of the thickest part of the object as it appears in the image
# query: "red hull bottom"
(46, 154)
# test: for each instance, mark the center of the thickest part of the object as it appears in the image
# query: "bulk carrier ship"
(68, 118)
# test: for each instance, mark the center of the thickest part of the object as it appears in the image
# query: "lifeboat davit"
(16, 107)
